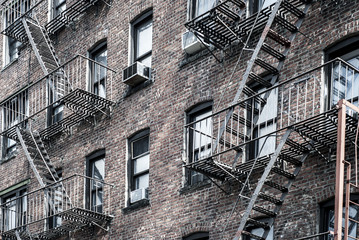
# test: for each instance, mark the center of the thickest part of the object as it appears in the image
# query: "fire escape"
(47, 107)
(218, 146)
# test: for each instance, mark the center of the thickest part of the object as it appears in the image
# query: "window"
(327, 218)
(56, 194)
(344, 83)
(197, 236)
(199, 7)
(15, 209)
(139, 153)
(199, 139)
(260, 4)
(96, 173)
(55, 111)
(266, 124)
(142, 39)
(98, 70)
(260, 231)
(58, 6)
(15, 111)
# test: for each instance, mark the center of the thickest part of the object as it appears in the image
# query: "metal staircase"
(274, 185)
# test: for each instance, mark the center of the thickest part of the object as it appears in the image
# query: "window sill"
(9, 64)
(8, 158)
(195, 187)
(135, 206)
(131, 90)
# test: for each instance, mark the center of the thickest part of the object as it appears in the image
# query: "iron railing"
(76, 198)
(35, 101)
(256, 119)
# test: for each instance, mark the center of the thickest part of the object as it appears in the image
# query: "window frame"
(93, 53)
(141, 20)
(133, 176)
(324, 209)
(54, 221)
(339, 49)
(196, 111)
(192, 9)
(11, 116)
(20, 194)
(56, 6)
(90, 160)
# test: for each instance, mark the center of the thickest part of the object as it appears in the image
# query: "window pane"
(98, 169)
(142, 164)
(203, 6)
(140, 146)
(202, 133)
(266, 3)
(142, 181)
(144, 38)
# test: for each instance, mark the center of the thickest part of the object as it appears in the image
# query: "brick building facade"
(87, 155)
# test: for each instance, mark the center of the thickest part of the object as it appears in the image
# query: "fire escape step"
(296, 146)
(276, 186)
(283, 173)
(249, 92)
(293, 9)
(251, 235)
(241, 120)
(282, 21)
(257, 223)
(264, 211)
(278, 38)
(268, 49)
(259, 80)
(270, 198)
(289, 159)
(266, 66)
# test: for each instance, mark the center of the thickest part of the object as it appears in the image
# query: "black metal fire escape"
(83, 104)
(268, 36)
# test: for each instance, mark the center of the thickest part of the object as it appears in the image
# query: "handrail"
(51, 73)
(275, 86)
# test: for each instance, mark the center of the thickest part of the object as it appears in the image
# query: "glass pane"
(142, 181)
(266, 3)
(140, 146)
(100, 71)
(144, 38)
(147, 61)
(203, 6)
(98, 169)
(352, 225)
(142, 164)
(202, 134)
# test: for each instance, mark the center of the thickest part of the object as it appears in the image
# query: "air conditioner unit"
(139, 194)
(135, 74)
(190, 43)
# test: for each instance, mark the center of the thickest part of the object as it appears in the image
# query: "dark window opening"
(197, 236)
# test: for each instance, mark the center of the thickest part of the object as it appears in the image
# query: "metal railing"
(52, 205)
(36, 100)
(257, 119)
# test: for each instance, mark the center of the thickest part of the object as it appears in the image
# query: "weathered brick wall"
(161, 106)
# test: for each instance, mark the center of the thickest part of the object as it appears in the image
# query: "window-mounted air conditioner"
(190, 43)
(139, 194)
(135, 74)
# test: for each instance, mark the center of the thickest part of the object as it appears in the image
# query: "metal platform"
(320, 130)
(69, 15)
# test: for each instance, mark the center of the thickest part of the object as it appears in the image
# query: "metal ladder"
(274, 185)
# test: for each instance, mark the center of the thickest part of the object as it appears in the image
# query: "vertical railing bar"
(296, 117)
(289, 104)
(305, 98)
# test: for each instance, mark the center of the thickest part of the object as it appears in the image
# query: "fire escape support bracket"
(208, 48)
